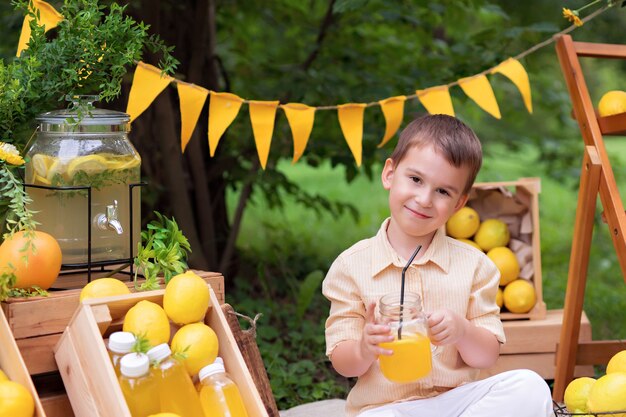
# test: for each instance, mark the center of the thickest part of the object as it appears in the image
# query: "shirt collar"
(384, 254)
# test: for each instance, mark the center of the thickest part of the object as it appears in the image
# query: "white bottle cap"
(121, 342)
(134, 365)
(214, 368)
(159, 352)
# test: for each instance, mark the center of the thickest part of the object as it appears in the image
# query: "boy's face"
(424, 191)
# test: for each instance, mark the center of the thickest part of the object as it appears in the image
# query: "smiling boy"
(428, 177)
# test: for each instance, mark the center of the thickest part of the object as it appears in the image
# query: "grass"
(283, 246)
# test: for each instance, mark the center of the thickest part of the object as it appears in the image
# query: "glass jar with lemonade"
(86, 147)
(412, 356)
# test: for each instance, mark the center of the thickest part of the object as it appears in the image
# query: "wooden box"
(87, 371)
(37, 323)
(531, 344)
(12, 364)
(517, 204)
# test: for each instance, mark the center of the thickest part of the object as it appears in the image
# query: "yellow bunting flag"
(436, 100)
(148, 83)
(262, 117)
(300, 118)
(393, 110)
(514, 71)
(478, 89)
(351, 122)
(192, 98)
(48, 17)
(223, 109)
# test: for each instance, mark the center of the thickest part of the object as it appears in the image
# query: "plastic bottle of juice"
(120, 343)
(138, 386)
(176, 391)
(219, 395)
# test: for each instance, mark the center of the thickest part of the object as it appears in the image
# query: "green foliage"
(308, 288)
(15, 201)
(163, 250)
(89, 53)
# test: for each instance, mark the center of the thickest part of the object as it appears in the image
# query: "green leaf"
(308, 289)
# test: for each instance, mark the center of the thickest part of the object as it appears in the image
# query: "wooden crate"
(521, 199)
(531, 344)
(12, 364)
(37, 323)
(87, 371)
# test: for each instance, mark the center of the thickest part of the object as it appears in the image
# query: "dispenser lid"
(82, 116)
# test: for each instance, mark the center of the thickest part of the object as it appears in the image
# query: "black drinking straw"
(402, 288)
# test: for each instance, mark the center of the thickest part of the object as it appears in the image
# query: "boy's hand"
(446, 327)
(373, 334)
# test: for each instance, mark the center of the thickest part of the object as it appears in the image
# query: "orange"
(39, 265)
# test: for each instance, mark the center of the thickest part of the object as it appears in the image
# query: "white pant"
(518, 393)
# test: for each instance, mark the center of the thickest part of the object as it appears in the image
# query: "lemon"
(90, 164)
(519, 296)
(130, 164)
(612, 102)
(577, 392)
(198, 342)
(608, 394)
(617, 363)
(471, 243)
(41, 180)
(507, 263)
(186, 298)
(41, 164)
(491, 234)
(3, 376)
(57, 167)
(15, 400)
(499, 297)
(103, 287)
(148, 320)
(463, 224)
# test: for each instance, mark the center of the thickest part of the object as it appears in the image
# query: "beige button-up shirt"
(451, 274)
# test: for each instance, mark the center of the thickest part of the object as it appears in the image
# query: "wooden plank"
(37, 353)
(600, 50)
(57, 405)
(613, 125)
(47, 315)
(539, 336)
(13, 365)
(598, 352)
(542, 363)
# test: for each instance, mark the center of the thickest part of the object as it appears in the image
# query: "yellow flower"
(10, 154)
(572, 16)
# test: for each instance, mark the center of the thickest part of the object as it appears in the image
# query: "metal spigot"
(109, 220)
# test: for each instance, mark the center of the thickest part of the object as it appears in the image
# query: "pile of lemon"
(15, 399)
(185, 304)
(606, 394)
(492, 237)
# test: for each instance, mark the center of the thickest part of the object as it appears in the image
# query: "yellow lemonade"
(64, 213)
(411, 359)
(176, 391)
(222, 401)
(137, 385)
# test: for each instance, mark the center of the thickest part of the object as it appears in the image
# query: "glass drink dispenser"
(81, 158)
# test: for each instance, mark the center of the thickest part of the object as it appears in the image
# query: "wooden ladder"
(596, 178)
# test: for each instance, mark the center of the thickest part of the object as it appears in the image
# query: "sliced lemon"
(41, 164)
(89, 164)
(55, 168)
(130, 164)
(41, 180)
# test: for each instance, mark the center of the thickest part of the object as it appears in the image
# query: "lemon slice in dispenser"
(89, 164)
(56, 167)
(41, 164)
(129, 164)
(41, 180)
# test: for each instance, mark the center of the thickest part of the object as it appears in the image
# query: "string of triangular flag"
(149, 81)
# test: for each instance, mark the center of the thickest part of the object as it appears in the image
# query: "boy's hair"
(458, 144)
